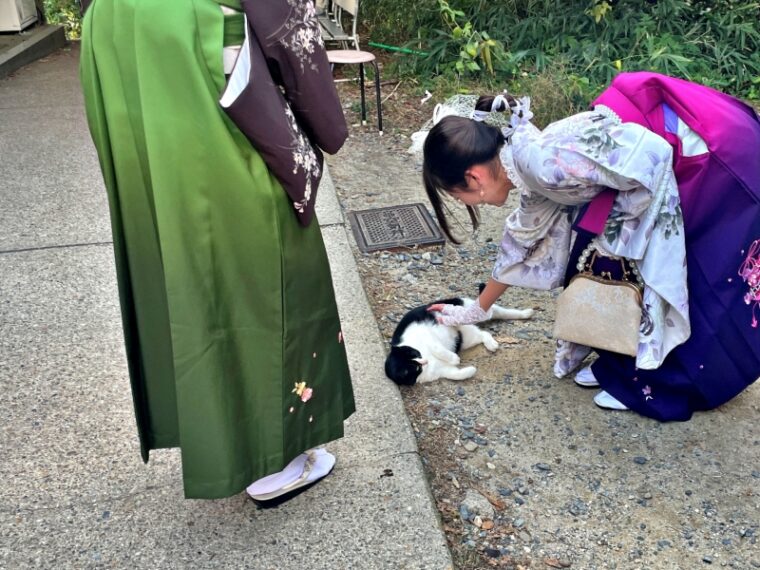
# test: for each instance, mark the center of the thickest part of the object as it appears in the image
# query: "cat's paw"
(490, 342)
(468, 372)
(525, 313)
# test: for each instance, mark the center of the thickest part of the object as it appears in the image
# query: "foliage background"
(563, 52)
(67, 13)
(576, 46)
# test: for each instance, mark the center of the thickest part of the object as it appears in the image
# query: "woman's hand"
(457, 315)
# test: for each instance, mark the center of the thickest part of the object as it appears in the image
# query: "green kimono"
(233, 340)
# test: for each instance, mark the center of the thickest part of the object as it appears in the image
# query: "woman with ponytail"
(652, 175)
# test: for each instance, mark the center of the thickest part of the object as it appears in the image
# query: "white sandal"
(586, 378)
(304, 470)
(608, 402)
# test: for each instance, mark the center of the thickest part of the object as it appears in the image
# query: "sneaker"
(586, 378)
(608, 402)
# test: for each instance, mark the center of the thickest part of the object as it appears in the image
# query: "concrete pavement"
(73, 490)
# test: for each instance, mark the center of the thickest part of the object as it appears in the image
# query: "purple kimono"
(286, 103)
(720, 198)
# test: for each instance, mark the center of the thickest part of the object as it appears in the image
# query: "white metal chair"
(331, 23)
(332, 31)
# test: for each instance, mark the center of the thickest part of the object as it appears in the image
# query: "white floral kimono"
(563, 167)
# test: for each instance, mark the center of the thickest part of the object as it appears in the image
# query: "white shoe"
(586, 378)
(606, 401)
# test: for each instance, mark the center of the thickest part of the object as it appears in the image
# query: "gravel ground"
(525, 470)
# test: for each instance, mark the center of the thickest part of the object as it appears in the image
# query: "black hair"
(451, 147)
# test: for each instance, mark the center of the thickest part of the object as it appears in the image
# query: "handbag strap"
(629, 274)
(597, 212)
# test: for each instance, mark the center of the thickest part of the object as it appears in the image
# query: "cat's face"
(403, 365)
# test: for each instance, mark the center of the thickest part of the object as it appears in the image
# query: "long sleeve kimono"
(281, 96)
(566, 166)
(685, 163)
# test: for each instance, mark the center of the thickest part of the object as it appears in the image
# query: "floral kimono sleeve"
(281, 96)
(568, 164)
(535, 245)
(289, 35)
(553, 180)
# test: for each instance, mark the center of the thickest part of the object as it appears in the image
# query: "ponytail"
(453, 146)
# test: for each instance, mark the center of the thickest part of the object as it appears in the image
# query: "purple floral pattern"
(750, 272)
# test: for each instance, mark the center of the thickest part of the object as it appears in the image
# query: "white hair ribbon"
(516, 113)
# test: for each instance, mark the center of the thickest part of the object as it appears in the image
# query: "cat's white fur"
(436, 343)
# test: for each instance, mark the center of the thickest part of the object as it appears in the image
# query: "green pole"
(398, 49)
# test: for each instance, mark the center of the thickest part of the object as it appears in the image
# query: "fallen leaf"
(497, 503)
(507, 340)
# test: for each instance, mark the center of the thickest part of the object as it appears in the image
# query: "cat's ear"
(420, 361)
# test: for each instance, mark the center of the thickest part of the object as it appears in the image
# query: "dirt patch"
(570, 485)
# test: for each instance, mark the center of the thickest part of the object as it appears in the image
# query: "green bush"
(712, 42)
(67, 13)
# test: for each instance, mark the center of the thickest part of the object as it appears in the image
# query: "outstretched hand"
(457, 315)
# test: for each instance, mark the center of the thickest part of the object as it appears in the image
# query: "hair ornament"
(513, 115)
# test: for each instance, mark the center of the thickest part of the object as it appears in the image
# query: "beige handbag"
(599, 311)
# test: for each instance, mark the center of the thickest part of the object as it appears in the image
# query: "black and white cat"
(422, 350)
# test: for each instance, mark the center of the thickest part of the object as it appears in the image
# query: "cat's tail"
(502, 313)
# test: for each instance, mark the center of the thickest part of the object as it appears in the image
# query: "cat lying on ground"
(423, 350)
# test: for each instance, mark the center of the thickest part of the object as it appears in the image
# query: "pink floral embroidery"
(750, 272)
(647, 391)
(302, 391)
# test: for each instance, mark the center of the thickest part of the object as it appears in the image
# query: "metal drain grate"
(394, 226)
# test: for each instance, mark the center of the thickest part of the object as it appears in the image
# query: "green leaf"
(486, 55)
